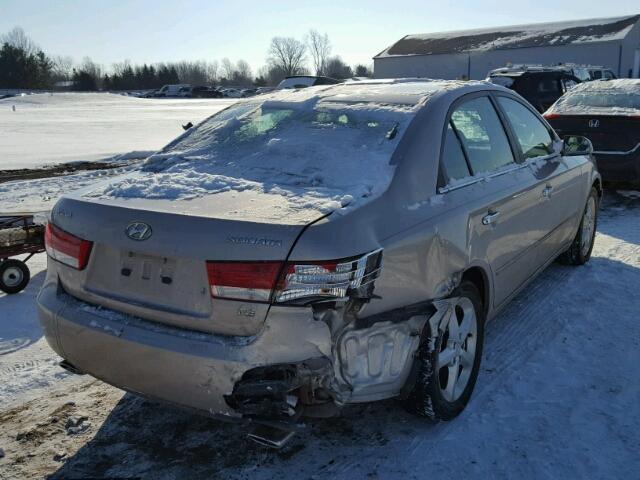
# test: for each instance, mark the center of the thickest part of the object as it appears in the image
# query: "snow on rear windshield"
(603, 99)
(323, 155)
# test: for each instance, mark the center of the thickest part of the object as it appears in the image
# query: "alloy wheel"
(588, 226)
(457, 350)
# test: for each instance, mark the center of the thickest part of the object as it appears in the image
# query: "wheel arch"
(597, 184)
(480, 278)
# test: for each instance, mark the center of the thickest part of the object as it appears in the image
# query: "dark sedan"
(607, 112)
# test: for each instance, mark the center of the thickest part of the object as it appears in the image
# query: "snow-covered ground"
(64, 127)
(557, 397)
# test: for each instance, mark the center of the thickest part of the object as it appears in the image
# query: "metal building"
(470, 54)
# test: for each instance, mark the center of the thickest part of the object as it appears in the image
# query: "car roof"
(406, 91)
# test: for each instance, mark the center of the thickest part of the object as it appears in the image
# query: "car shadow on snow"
(20, 327)
(140, 438)
(143, 438)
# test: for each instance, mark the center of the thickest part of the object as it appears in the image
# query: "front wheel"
(449, 358)
(580, 251)
(14, 276)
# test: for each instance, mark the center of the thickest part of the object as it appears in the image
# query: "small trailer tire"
(14, 276)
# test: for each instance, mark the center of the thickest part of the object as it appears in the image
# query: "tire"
(580, 251)
(431, 395)
(14, 276)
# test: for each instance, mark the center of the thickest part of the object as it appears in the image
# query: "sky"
(151, 31)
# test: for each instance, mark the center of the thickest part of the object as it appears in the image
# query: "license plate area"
(147, 269)
(177, 285)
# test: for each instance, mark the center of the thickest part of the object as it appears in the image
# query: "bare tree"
(18, 39)
(91, 68)
(287, 54)
(227, 69)
(336, 68)
(320, 48)
(62, 68)
(194, 73)
(212, 71)
(243, 73)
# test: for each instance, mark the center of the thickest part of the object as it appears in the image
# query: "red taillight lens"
(67, 248)
(551, 116)
(243, 280)
(292, 281)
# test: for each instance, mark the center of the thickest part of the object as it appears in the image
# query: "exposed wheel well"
(478, 277)
(598, 186)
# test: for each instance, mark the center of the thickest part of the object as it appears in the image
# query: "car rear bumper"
(189, 369)
(619, 167)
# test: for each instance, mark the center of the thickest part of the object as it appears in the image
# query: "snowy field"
(65, 127)
(557, 397)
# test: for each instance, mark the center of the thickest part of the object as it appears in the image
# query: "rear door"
(482, 173)
(559, 183)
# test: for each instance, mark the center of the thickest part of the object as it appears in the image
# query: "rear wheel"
(449, 358)
(14, 276)
(580, 251)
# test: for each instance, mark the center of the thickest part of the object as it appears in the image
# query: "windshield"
(325, 150)
(602, 99)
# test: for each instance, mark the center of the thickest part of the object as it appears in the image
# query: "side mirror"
(573, 146)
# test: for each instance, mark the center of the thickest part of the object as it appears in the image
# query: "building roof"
(517, 36)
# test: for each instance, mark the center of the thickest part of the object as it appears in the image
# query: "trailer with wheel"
(20, 234)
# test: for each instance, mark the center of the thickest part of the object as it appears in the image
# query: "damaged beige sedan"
(308, 249)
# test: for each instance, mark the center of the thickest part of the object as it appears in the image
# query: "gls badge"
(594, 123)
(138, 231)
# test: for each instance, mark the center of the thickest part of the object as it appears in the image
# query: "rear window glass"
(545, 84)
(502, 81)
(602, 99)
(481, 132)
(313, 153)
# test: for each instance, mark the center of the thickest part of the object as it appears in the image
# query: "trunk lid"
(608, 133)
(163, 277)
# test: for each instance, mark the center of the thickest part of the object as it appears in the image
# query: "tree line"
(23, 64)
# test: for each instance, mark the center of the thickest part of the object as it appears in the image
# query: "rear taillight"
(294, 282)
(551, 116)
(67, 248)
(243, 280)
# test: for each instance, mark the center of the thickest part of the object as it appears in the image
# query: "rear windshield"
(601, 99)
(327, 150)
(502, 81)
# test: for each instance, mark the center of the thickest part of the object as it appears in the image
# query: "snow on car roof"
(323, 148)
(516, 36)
(402, 91)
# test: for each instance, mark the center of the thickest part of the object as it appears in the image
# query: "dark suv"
(541, 86)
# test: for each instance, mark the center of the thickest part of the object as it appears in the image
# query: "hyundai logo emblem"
(138, 231)
(594, 123)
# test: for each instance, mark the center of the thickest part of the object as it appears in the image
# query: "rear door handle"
(548, 190)
(490, 217)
